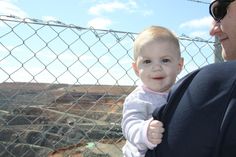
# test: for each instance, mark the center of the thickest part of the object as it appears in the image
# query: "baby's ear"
(135, 68)
(181, 64)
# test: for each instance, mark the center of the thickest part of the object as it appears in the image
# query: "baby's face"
(158, 65)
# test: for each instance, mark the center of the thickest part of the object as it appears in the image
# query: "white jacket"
(137, 114)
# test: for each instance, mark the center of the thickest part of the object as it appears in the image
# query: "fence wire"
(62, 86)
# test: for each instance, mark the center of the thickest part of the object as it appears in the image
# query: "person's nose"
(215, 28)
(157, 67)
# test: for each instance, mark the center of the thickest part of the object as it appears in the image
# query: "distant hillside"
(46, 117)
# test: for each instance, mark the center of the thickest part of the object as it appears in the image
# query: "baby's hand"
(155, 131)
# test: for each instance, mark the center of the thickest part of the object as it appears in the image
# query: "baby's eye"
(166, 60)
(147, 61)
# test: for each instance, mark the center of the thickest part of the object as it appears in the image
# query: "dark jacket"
(200, 115)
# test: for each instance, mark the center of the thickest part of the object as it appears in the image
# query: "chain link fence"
(62, 86)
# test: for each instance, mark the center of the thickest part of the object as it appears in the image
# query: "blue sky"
(182, 16)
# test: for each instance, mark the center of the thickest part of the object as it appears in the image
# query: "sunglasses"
(218, 9)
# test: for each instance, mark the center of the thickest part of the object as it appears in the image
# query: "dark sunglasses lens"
(218, 10)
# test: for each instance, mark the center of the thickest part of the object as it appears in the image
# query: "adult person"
(203, 122)
(224, 26)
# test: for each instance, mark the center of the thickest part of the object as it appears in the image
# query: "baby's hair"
(154, 33)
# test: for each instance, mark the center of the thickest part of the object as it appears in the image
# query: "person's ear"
(180, 64)
(135, 68)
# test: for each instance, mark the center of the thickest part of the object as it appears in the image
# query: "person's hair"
(154, 33)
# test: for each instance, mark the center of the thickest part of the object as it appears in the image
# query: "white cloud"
(113, 6)
(99, 23)
(133, 3)
(8, 8)
(107, 7)
(198, 23)
(201, 34)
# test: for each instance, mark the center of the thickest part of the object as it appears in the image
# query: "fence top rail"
(54, 23)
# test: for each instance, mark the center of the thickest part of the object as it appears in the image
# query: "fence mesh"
(62, 86)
